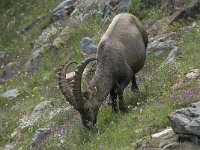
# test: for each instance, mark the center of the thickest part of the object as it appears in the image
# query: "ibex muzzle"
(121, 54)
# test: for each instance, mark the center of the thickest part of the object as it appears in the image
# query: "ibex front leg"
(121, 86)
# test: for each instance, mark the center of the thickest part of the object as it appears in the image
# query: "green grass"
(147, 109)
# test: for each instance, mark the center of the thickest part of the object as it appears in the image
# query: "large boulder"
(166, 140)
(186, 120)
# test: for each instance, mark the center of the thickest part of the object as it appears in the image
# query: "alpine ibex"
(121, 54)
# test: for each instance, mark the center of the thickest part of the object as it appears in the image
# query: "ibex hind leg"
(113, 98)
(134, 86)
(121, 86)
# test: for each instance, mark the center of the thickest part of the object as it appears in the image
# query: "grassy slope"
(114, 131)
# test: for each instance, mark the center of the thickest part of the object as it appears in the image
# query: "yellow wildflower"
(35, 88)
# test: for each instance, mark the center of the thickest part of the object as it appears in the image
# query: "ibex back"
(121, 54)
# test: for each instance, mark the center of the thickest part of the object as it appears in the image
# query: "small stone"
(42, 106)
(88, 47)
(194, 74)
(173, 145)
(10, 146)
(29, 26)
(58, 42)
(35, 55)
(163, 133)
(1, 80)
(39, 136)
(2, 54)
(171, 57)
(10, 69)
(15, 134)
(13, 93)
(123, 5)
(66, 7)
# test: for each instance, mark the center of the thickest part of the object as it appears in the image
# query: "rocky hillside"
(38, 36)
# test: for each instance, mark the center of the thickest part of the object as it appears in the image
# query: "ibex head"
(87, 102)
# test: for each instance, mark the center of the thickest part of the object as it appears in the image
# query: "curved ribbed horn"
(64, 85)
(77, 81)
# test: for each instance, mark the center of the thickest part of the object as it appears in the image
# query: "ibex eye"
(86, 95)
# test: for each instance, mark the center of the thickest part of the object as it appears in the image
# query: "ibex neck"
(103, 82)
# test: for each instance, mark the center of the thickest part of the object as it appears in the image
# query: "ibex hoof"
(114, 110)
(134, 89)
(123, 108)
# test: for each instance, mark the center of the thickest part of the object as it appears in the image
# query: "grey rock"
(13, 93)
(171, 57)
(149, 22)
(162, 42)
(163, 133)
(168, 5)
(66, 7)
(10, 69)
(2, 54)
(29, 26)
(178, 3)
(186, 120)
(84, 9)
(46, 35)
(123, 5)
(88, 47)
(167, 139)
(42, 106)
(174, 145)
(40, 135)
(10, 146)
(40, 111)
(1, 80)
(118, 6)
(35, 55)
(181, 146)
